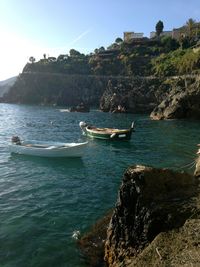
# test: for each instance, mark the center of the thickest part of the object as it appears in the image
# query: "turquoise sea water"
(43, 201)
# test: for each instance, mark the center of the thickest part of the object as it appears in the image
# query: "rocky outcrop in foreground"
(154, 223)
(182, 101)
(150, 201)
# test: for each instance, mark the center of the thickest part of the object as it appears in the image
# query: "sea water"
(45, 203)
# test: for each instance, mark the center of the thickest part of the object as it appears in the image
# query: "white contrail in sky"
(80, 37)
(57, 50)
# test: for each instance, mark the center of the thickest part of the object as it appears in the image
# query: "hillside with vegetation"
(161, 55)
(69, 78)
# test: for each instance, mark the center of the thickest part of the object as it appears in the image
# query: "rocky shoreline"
(162, 98)
(155, 222)
(133, 95)
(182, 101)
(169, 98)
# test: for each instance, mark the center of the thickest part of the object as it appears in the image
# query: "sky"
(53, 27)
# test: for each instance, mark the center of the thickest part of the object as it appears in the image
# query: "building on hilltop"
(175, 34)
(181, 32)
(129, 36)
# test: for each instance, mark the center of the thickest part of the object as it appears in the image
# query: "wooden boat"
(106, 133)
(46, 149)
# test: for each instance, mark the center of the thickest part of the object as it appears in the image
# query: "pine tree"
(159, 27)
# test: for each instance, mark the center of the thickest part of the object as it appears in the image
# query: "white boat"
(46, 149)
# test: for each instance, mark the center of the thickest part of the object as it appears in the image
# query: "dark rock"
(150, 201)
(80, 108)
(92, 243)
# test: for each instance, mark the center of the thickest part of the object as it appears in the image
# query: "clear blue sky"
(34, 27)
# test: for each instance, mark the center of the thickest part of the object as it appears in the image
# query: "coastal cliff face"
(182, 101)
(151, 202)
(133, 95)
(56, 89)
(169, 98)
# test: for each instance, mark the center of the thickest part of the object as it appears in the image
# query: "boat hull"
(111, 134)
(50, 149)
(126, 135)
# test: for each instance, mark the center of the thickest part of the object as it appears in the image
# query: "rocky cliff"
(182, 100)
(169, 98)
(133, 94)
(57, 89)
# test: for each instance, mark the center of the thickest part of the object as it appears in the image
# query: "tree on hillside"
(190, 24)
(101, 49)
(32, 59)
(118, 40)
(62, 57)
(74, 53)
(159, 27)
